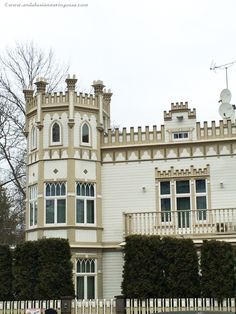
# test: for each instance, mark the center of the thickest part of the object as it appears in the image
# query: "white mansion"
(94, 186)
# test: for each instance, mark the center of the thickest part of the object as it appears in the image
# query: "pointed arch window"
(56, 133)
(85, 134)
(33, 137)
(86, 274)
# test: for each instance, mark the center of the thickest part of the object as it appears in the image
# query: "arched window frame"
(33, 137)
(60, 133)
(85, 275)
(86, 143)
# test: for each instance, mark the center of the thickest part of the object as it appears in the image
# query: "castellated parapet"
(62, 99)
(177, 108)
(154, 136)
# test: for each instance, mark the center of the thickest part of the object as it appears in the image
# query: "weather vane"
(226, 110)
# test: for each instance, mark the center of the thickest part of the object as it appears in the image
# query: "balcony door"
(183, 212)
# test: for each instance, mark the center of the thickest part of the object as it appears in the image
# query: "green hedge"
(55, 269)
(5, 273)
(169, 268)
(43, 270)
(26, 270)
(218, 269)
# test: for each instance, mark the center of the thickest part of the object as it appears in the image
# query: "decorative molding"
(182, 173)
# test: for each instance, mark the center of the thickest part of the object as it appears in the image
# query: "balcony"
(196, 224)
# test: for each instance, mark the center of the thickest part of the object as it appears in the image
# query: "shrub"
(217, 268)
(5, 273)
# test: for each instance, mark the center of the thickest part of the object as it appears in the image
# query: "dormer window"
(56, 133)
(180, 135)
(85, 134)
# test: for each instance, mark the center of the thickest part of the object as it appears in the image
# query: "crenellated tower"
(64, 173)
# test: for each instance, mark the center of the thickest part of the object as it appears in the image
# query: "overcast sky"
(150, 53)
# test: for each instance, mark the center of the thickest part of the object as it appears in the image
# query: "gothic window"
(56, 133)
(33, 206)
(85, 133)
(85, 203)
(33, 137)
(86, 279)
(55, 198)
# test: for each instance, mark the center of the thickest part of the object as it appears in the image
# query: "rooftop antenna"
(226, 110)
(222, 67)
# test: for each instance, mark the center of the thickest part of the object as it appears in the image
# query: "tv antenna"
(226, 110)
(225, 67)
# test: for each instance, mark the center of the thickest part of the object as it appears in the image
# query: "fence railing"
(131, 306)
(180, 222)
(148, 306)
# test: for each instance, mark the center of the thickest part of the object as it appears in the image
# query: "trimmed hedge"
(55, 269)
(169, 268)
(180, 268)
(43, 270)
(5, 273)
(218, 270)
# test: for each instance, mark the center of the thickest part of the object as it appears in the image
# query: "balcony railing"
(181, 222)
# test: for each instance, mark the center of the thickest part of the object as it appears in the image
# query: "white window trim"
(55, 198)
(51, 134)
(33, 200)
(33, 138)
(86, 275)
(200, 194)
(81, 135)
(84, 197)
(180, 132)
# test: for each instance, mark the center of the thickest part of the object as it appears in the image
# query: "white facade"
(94, 186)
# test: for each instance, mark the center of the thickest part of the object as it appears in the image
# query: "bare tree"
(19, 68)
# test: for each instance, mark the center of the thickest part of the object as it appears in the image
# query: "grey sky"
(150, 53)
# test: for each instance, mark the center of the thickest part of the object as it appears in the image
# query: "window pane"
(78, 189)
(87, 189)
(165, 187)
(182, 186)
(61, 211)
(201, 202)
(58, 189)
(85, 133)
(92, 267)
(53, 190)
(165, 204)
(87, 267)
(90, 287)
(90, 211)
(201, 207)
(56, 133)
(35, 213)
(48, 189)
(91, 190)
(78, 267)
(82, 189)
(80, 287)
(49, 211)
(183, 203)
(31, 214)
(200, 186)
(80, 211)
(63, 189)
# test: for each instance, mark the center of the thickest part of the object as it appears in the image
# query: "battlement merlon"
(179, 108)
